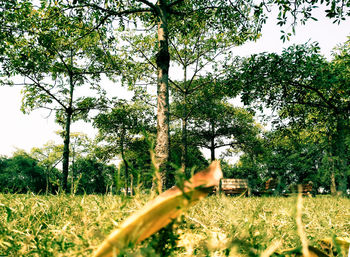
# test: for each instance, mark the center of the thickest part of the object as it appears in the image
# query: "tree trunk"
(333, 184)
(72, 189)
(126, 175)
(66, 141)
(339, 150)
(162, 60)
(184, 126)
(47, 180)
(184, 145)
(65, 164)
(126, 164)
(117, 180)
(212, 153)
(212, 142)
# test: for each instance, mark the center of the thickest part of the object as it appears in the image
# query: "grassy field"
(67, 225)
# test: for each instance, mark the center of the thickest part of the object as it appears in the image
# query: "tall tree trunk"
(126, 174)
(47, 180)
(184, 146)
(117, 180)
(66, 141)
(212, 151)
(184, 126)
(212, 142)
(333, 184)
(162, 60)
(126, 164)
(72, 189)
(65, 163)
(339, 150)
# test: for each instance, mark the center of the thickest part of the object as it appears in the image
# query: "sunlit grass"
(66, 225)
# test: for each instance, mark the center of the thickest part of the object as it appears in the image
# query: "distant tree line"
(22, 173)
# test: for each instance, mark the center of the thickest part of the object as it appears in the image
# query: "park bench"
(271, 185)
(307, 189)
(231, 186)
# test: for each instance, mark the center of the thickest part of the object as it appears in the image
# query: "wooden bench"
(231, 186)
(307, 189)
(271, 185)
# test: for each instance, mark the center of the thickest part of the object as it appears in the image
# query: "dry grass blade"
(161, 211)
(271, 249)
(301, 232)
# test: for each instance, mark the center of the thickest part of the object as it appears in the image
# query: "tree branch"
(47, 92)
(149, 4)
(176, 85)
(319, 93)
(177, 52)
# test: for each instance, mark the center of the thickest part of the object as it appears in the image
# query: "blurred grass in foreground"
(64, 225)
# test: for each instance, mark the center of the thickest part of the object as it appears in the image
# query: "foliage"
(249, 167)
(21, 174)
(61, 48)
(201, 55)
(299, 77)
(293, 159)
(93, 177)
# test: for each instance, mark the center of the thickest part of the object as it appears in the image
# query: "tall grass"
(64, 225)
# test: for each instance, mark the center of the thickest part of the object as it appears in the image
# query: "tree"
(189, 98)
(220, 17)
(121, 126)
(220, 124)
(49, 156)
(306, 89)
(56, 56)
(290, 155)
(201, 55)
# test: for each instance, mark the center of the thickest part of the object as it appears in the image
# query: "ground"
(65, 225)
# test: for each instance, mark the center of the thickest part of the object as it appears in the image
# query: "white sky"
(19, 131)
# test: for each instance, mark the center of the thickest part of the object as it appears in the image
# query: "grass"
(64, 225)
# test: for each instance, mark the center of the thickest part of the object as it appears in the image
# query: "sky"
(25, 131)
